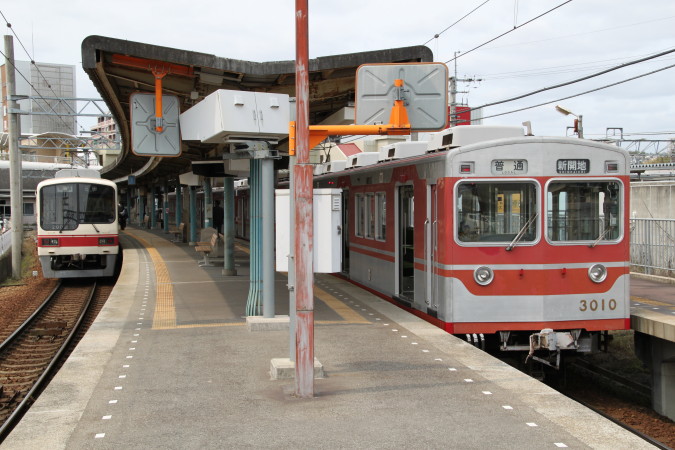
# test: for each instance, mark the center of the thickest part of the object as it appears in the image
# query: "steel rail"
(16, 415)
(28, 321)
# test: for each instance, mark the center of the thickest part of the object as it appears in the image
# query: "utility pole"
(15, 184)
(453, 92)
(304, 218)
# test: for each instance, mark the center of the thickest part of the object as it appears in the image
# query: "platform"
(653, 320)
(169, 363)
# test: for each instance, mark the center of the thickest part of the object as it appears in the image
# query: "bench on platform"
(177, 232)
(206, 248)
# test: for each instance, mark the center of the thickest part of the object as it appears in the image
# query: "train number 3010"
(597, 305)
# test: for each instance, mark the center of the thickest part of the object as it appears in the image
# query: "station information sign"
(573, 166)
(509, 167)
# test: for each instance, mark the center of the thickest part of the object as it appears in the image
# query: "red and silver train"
(77, 225)
(520, 241)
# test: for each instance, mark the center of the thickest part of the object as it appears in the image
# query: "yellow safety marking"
(339, 307)
(164, 316)
(243, 249)
(650, 302)
(240, 324)
(210, 325)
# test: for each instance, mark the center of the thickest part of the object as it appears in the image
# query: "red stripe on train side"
(377, 255)
(79, 241)
(494, 327)
(537, 282)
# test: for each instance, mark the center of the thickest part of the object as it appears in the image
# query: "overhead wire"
(456, 22)
(575, 95)
(32, 61)
(597, 64)
(509, 31)
(587, 77)
(567, 36)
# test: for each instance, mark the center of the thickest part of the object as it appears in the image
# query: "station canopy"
(120, 68)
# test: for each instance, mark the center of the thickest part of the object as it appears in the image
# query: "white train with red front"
(517, 240)
(77, 225)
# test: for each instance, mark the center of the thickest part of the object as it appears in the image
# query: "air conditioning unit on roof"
(362, 159)
(402, 150)
(471, 134)
(335, 166)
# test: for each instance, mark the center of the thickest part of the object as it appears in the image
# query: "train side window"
(584, 210)
(360, 210)
(370, 215)
(381, 216)
(496, 211)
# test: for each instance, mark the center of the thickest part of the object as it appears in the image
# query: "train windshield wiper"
(602, 235)
(521, 233)
(94, 225)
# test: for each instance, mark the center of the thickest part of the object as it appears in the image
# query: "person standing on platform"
(218, 215)
(122, 216)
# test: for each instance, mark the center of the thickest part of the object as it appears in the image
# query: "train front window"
(584, 211)
(496, 211)
(65, 206)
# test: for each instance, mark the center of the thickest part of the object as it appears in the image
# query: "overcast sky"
(579, 38)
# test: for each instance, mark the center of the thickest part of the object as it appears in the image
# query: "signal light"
(466, 168)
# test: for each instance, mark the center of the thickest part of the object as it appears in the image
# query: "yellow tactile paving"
(164, 317)
(339, 307)
(649, 302)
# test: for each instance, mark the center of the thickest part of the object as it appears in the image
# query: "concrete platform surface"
(653, 306)
(170, 364)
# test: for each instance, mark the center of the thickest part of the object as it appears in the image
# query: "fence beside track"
(652, 246)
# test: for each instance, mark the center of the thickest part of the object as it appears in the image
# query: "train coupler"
(555, 342)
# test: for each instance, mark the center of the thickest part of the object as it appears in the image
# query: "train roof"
(63, 180)
(433, 153)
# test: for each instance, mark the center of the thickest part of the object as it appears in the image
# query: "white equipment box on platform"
(327, 256)
(228, 114)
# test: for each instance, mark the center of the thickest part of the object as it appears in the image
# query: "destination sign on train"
(573, 166)
(509, 167)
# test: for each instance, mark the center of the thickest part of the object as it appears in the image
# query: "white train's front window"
(490, 211)
(584, 211)
(65, 206)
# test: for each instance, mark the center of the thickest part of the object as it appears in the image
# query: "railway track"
(617, 398)
(33, 353)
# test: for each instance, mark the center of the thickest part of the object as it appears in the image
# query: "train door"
(406, 240)
(345, 232)
(509, 215)
(430, 247)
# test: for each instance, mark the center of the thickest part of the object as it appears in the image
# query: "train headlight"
(50, 242)
(106, 241)
(483, 275)
(597, 273)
